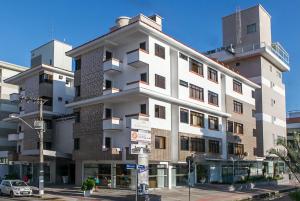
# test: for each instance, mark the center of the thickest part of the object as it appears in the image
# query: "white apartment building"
(6, 107)
(51, 78)
(136, 74)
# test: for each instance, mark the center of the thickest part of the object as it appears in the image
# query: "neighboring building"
(138, 75)
(6, 107)
(293, 125)
(248, 48)
(50, 77)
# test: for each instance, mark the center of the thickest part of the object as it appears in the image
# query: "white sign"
(140, 124)
(139, 149)
(141, 136)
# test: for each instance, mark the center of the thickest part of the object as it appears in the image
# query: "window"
(160, 112)
(59, 99)
(143, 108)
(144, 77)
(253, 113)
(48, 101)
(160, 142)
(77, 117)
(108, 55)
(197, 119)
(196, 67)
(273, 102)
(108, 84)
(237, 86)
(213, 123)
(159, 51)
(107, 142)
(184, 143)
(213, 146)
(230, 126)
(108, 113)
(183, 56)
(235, 149)
(278, 74)
(143, 46)
(77, 91)
(183, 83)
(76, 143)
(19, 148)
(238, 107)
(77, 64)
(212, 74)
(160, 81)
(197, 144)
(67, 82)
(46, 78)
(213, 98)
(196, 92)
(60, 77)
(251, 28)
(184, 116)
(253, 94)
(238, 128)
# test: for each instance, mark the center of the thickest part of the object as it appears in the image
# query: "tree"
(289, 153)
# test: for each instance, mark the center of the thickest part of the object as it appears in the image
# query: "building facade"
(248, 48)
(50, 77)
(137, 78)
(6, 107)
(293, 125)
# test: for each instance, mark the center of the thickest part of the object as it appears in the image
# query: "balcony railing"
(110, 91)
(138, 121)
(13, 137)
(135, 84)
(113, 123)
(112, 66)
(137, 58)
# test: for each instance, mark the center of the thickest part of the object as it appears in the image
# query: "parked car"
(15, 188)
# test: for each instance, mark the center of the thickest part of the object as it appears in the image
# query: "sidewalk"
(207, 192)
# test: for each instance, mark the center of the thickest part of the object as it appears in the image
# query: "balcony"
(137, 58)
(13, 137)
(14, 97)
(112, 124)
(21, 136)
(138, 121)
(112, 66)
(136, 84)
(110, 91)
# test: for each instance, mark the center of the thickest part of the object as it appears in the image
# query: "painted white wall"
(59, 57)
(64, 141)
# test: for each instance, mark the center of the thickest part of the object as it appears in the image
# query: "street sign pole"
(189, 180)
(137, 182)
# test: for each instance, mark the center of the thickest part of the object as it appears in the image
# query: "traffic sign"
(141, 167)
(130, 166)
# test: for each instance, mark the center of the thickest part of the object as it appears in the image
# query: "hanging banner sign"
(141, 136)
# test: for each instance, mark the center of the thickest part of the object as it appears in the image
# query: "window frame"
(198, 115)
(162, 140)
(161, 113)
(251, 28)
(181, 111)
(159, 51)
(195, 91)
(237, 86)
(214, 95)
(212, 75)
(240, 126)
(216, 123)
(198, 144)
(184, 143)
(238, 107)
(193, 63)
(211, 144)
(160, 81)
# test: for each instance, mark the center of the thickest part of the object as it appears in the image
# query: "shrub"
(295, 195)
(88, 184)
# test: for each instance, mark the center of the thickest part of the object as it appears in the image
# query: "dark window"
(108, 113)
(108, 142)
(144, 77)
(212, 74)
(143, 46)
(253, 94)
(77, 64)
(237, 86)
(76, 143)
(46, 78)
(238, 128)
(184, 143)
(197, 119)
(196, 67)
(19, 148)
(48, 101)
(253, 113)
(159, 51)
(213, 146)
(213, 123)
(60, 77)
(183, 83)
(108, 55)
(184, 116)
(236, 149)
(196, 92)
(230, 126)
(160, 112)
(198, 144)
(160, 142)
(48, 123)
(77, 91)
(59, 99)
(238, 107)
(183, 56)
(77, 117)
(213, 98)
(108, 84)
(160, 81)
(251, 28)
(143, 108)
(20, 129)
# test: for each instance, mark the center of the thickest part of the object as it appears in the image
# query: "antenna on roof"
(238, 26)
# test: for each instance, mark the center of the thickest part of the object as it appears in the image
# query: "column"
(113, 175)
(170, 176)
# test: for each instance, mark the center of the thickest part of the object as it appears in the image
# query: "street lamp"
(39, 127)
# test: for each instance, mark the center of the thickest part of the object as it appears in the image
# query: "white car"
(15, 188)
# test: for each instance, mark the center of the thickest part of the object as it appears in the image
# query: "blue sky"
(27, 24)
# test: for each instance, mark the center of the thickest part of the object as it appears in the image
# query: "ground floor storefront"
(112, 174)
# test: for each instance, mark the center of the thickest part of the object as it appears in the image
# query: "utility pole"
(189, 180)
